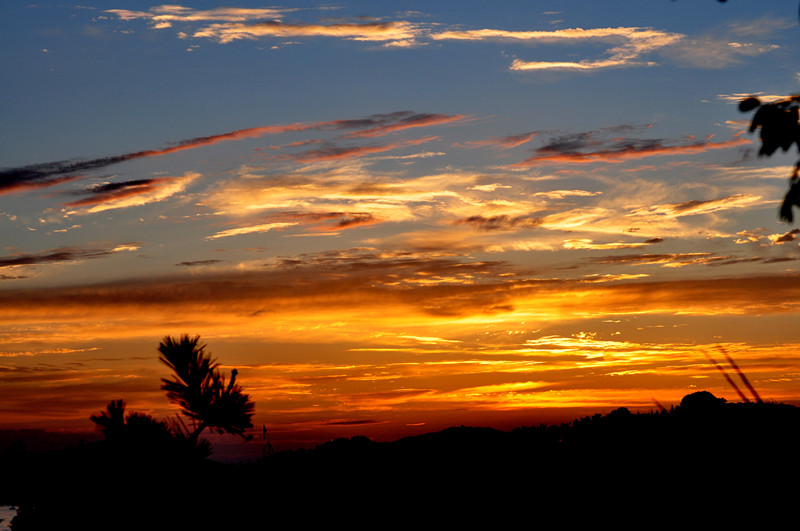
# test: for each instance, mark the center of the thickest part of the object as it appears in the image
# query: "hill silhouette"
(703, 453)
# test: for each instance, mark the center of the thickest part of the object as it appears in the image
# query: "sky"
(393, 217)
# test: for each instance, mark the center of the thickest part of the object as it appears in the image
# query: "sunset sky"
(393, 217)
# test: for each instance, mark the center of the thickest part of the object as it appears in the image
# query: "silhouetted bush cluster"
(699, 454)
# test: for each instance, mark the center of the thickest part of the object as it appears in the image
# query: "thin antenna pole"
(725, 374)
(741, 374)
(268, 449)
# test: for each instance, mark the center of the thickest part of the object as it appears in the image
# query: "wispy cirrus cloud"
(588, 148)
(627, 45)
(589, 244)
(344, 184)
(644, 38)
(228, 24)
(328, 221)
(561, 194)
(175, 13)
(694, 206)
(676, 260)
(406, 121)
(195, 263)
(503, 142)
(133, 193)
(519, 65)
(249, 229)
(49, 174)
(785, 238)
(728, 44)
(393, 32)
(24, 179)
(501, 222)
(101, 193)
(332, 152)
(665, 259)
(63, 254)
(631, 46)
(736, 97)
(53, 173)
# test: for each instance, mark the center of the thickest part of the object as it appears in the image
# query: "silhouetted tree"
(111, 422)
(779, 126)
(199, 389)
(143, 435)
(701, 401)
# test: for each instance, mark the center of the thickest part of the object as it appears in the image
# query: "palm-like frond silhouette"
(111, 422)
(199, 389)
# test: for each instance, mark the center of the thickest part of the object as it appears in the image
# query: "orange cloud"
(627, 45)
(250, 229)
(473, 341)
(502, 222)
(174, 13)
(645, 38)
(694, 206)
(358, 282)
(668, 259)
(788, 237)
(589, 244)
(10, 183)
(115, 191)
(329, 221)
(134, 193)
(399, 31)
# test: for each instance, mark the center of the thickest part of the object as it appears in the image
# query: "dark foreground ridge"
(700, 457)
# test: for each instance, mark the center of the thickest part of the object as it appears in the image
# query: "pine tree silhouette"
(198, 387)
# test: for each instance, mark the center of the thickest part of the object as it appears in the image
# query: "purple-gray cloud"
(61, 254)
(502, 222)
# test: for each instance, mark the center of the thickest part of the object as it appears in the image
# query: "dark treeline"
(705, 455)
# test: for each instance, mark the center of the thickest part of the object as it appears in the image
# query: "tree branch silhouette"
(198, 387)
(780, 128)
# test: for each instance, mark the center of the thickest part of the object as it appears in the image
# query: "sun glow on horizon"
(571, 229)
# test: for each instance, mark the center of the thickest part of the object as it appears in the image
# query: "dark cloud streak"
(61, 254)
(53, 173)
(198, 263)
(113, 191)
(596, 146)
(503, 142)
(788, 237)
(332, 152)
(502, 222)
(337, 220)
(348, 279)
(406, 122)
(682, 259)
